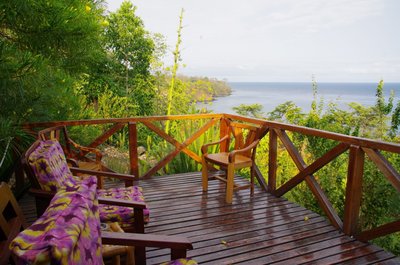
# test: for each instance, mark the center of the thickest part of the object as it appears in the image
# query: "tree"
(44, 47)
(175, 66)
(253, 110)
(132, 49)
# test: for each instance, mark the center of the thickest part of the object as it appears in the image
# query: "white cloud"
(310, 16)
(281, 40)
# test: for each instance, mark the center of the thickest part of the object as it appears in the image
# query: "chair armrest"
(178, 245)
(81, 148)
(41, 193)
(73, 162)
(231, 157)
(205, 146)
(103, 173)
(146, 240)
(119, 202)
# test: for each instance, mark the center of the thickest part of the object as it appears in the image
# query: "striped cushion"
(50, 166)
(67, 233)
(122, 215)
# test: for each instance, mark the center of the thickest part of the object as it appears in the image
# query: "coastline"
(271, 94)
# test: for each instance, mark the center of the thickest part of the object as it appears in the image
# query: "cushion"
(186, 261)
(122, 215)
(50, 166)
(51, 169)
(67, 233)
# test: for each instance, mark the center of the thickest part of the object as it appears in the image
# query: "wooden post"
(230, 174)
(204, 174)
(178, 253)
(353, 190)
(133, 154)
(224, 130)
(272, 161)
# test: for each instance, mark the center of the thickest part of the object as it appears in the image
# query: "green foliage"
(177, 57)
(13, 142)
(44, 47)
(286, 112)
(381, 202)
(132, 50)
(253, 110)
(205, 89)
(181, 131)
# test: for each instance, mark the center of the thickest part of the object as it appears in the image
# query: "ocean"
(270, 95)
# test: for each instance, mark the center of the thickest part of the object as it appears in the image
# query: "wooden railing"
(275, 131)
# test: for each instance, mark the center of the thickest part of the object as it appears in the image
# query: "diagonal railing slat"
(171, 140)
(312, 168)
(314, 186)
(384, 166)
(382, 230)
(177, 150)
(102, 138)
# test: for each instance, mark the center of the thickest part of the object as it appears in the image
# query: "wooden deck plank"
(258, 229)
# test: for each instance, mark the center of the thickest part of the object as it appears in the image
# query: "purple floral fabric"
(49, 165)
(67, 233)
(122, 215)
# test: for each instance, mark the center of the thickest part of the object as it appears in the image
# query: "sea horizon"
(270, 94)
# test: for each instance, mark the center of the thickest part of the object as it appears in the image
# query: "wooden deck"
(261, 229)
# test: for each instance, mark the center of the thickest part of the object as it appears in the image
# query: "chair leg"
(229, 183)
(252, 173)
(204, 174)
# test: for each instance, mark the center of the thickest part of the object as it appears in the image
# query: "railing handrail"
(353, 140)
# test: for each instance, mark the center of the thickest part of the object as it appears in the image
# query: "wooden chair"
(76, 154)
(242, 156)
(47, 169)
(13, 222)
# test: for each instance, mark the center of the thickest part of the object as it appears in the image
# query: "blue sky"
(281, 41)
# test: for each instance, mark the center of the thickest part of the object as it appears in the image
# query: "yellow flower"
(105, 23)
(87, 8)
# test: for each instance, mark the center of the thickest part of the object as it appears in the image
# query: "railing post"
(272, 160)
(353, 191)
(224, 130)
(133, 154)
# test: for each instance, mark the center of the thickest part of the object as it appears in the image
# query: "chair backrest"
(244, 135)
(58, 133)
(67, 233)
(12, 221)
(47, 167)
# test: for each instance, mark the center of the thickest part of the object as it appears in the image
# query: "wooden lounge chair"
(12, 221)
(76, 154)
(69, 233)
(48, 171)
(243, 155)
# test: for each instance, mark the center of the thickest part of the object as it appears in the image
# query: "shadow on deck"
(261, 229)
